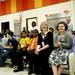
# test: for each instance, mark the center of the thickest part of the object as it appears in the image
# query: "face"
(24, 34)
(44, 27)
(30, 34)
(8, 36)
(61, 28)
(35, 34)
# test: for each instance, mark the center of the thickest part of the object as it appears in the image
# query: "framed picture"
(29, 23)
(17, 27)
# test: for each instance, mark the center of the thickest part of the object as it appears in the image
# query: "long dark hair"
(64, 23)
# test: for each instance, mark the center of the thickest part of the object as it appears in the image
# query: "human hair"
(64, 23)
(73, 32)
(35, 31)
(43, 23)
(51, 29)
(23, 32)
(33, 23)
(10, 33)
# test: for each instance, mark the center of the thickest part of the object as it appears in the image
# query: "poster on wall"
(17, 27)
(29, 23)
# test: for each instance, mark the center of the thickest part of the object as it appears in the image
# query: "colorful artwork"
(12, 6)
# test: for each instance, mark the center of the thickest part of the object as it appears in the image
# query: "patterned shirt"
(33, 43)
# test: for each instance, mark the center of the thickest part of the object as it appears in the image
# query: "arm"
(68, 42)
(48, 43)
(44, 47)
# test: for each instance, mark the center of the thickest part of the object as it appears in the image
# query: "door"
(4, 27)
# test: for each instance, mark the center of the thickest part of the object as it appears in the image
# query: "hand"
(24, 49)
(28, 49)
(19, 46)
(37, 51)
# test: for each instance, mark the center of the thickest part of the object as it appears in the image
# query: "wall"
(39, 13)
(12, 6)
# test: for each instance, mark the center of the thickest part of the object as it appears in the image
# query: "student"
(11, 47)
(62, 43)
(72, 56)
(31, 49)
(4, 40)
(2, 51)
(22, 51)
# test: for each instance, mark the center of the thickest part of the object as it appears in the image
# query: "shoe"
(17, 70)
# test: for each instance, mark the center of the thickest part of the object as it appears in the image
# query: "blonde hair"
(43, 23)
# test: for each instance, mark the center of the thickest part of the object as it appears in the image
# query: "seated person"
(31, 49)
(11, 47)
(22, 51)
(3, 42)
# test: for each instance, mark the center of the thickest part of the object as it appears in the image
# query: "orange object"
(33, 43)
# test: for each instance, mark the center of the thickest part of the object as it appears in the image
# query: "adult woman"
(44, 48)
(62, 43)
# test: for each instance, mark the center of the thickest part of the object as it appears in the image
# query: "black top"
(47, 40)
(13, 43)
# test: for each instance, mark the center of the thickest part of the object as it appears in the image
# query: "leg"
(37, 64)
(19, 61)
(55, 71)
(30, 57)
(60, 70)
(12, 55)
(72, 63)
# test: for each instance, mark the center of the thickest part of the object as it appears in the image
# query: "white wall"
(39, 13)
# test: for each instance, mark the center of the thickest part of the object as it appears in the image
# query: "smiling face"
(61, 28)
(44, 26)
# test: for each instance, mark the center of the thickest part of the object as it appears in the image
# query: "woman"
(62, 43)
(44, 48)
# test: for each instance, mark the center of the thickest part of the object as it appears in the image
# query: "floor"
(9, 71)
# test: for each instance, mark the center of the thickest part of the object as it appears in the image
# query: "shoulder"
(68, 34)
(14, 40)
(40, 34)
(49, 33)
(56, 35)
(27, 38)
